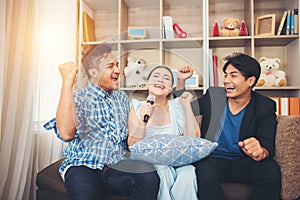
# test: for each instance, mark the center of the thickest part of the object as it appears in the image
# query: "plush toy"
(270, 73)
(230, 27)
(134, 72)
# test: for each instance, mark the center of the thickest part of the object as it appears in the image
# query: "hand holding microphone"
(150, 100)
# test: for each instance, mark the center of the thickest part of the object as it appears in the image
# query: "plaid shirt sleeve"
(52, 125)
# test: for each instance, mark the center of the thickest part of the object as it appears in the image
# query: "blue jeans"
(129, 178)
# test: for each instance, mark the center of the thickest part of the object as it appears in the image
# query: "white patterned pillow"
(172, 150)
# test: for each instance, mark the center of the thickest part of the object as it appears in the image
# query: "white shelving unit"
(196, 17)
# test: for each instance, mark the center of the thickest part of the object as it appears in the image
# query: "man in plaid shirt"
(93, 120)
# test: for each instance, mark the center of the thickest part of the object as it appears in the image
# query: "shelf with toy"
(228, 17)
(278, 71)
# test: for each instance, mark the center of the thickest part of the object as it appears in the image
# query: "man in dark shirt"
(244, 124)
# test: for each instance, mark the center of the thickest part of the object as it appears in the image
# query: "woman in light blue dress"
(166, 117)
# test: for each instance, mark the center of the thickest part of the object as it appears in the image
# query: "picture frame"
(193, 81)
(136, 33)
(265, 25)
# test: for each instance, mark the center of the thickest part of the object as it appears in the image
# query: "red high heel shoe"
(178, 31)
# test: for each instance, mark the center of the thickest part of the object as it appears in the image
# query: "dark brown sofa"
(51, 186)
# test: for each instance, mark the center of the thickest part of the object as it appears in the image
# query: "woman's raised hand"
(185, 72)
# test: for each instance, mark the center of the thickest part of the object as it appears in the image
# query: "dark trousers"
(264, 177)
(129, 178)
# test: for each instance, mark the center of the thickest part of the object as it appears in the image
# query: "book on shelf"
(88, 28)
(277, 101)
(288, 22)
(294, 106)
(296, 21)
(168, 32)
(282, 22)
(287, 105)
(210, 69)
(284, 106)
(292, 22)
(215, 70)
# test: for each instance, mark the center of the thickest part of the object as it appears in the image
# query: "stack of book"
(213, 70)
(167, 28)
(287, 105)
(289, 24)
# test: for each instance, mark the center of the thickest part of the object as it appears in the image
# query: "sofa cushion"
(45, 194)
(51, 186)
(50, 179)
(55, 190)
(288, 155)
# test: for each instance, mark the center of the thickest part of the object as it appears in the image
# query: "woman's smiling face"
(160, 82)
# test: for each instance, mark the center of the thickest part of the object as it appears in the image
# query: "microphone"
(150, 99)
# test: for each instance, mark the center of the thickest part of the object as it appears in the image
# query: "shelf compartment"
(219, 9)
(187, 14)
(104, 14)
(140, 14)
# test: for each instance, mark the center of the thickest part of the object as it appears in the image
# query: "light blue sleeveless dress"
(175, 183)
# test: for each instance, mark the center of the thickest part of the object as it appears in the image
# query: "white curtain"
(35, 37)
(58, 45)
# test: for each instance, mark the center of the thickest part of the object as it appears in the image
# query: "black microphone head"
(151, 99)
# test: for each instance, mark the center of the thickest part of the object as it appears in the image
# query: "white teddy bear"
(134, 72)
(270, 73)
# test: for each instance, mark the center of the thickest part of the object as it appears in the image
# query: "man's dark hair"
(247, 65)
(91, 59)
